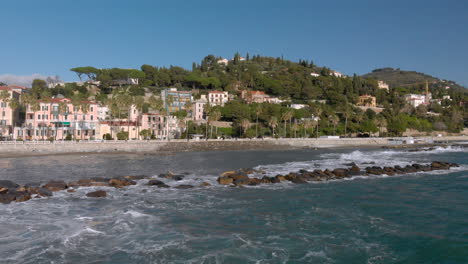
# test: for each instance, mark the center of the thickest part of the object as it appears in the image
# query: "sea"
(413, 218)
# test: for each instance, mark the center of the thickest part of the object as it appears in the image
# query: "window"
(3, 113)
(2, 122)
(55, 108)
(38, 116)
(78, 132)
(84, 117)
(56, 117)
(65, 117)
(75, 117)
(3, 104)
(92, 109)
(91, 117)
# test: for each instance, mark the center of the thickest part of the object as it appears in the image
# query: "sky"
(49, 37)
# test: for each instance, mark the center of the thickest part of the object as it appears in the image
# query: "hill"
(400, 78)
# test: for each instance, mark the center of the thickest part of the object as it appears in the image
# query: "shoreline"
(32, 149)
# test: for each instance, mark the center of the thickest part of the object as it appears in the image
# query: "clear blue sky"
(50, 37)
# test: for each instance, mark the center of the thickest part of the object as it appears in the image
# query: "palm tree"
(139, 101)
(381, 122)
(215, 116)
(207, 109)
(334, 120)
(84, 110)
(318, 112)
(306, 125)
(294, 128)
(188, 107)
(273, 123)
(285, 117)
(245, 124)
(258, 111)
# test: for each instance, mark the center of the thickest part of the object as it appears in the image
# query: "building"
(416, 100)
(383, 85)
(223, 61)
(113, 127)
(198, 108)
(259, 97)
(298, 106)
(218, 98)
(367, 101)
(103, 113)
(9, 117)
(58, 118)
(175, 100)
(314, 74)
(337, 74)
(419, 99)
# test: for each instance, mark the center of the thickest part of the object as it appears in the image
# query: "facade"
(218, 98)
(259, 97)
(198, 109)
(383, 85)
(337, 74)
(416, 100)
(367, 101)
(114, 127)
(175, 100)
(223, 61)
(103, 113)
(58, 118)
(314, 74)
(9, 117)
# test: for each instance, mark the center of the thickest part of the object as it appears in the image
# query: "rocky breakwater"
(13, 192)
(241, 177)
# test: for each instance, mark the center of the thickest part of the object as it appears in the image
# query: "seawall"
(156, 146)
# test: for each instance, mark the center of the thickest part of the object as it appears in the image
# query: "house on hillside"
(383, 85)
(9, 117)
(218, 97)
(367, 101)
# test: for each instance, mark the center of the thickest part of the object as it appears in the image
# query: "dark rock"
(275, 180)
(97, 194)
(157, 183)
(184, 186)
(32, 184)
(71, 190)
(329, 173)
(205, 184)
(8, 184)
(352, 164)
(355, 171)
(3, 190)
(56, 186)
(100, 179)
(242, 181)
(20, 196)
(255, 181)
(43, 192)
(340, 173)
(374, 170)
(298, 180)
(236, 177)
(438, 165)
(7, 198)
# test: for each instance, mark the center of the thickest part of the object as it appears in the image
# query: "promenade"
(20, 148)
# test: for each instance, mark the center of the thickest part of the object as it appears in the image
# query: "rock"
(298, 181)
(340, 173)
(33, 184)
(275, 180)
(120, 182)
(374, 170)
(205, 184)
(227, 173)
(242, 181)
(3, 190)
(20, 196)
(355, 171)
(328, 173)
(255, 181)
(7, 198)
(389, 171)
(136, 177)
(8, 184)
(352, 164)
(280, 178)
(100, 179)
(224, 180)
(71, 190)
(157, 183)
(438, 165)
(56, 186)
(97, 194)
(236, 177)
(43, 192)
(184, 186)
(171, 176)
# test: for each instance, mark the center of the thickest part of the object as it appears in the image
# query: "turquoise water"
(416, 218)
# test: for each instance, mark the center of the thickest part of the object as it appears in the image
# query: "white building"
(337, 74)
(314, 74)
(416, 100)
(218, 98)
(383, 85)
(298, 106)
(223, 61)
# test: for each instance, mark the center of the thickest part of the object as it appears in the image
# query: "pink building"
(259, 97)
(59, 118)
(9, 118)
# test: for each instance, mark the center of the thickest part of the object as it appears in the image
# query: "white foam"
(136, 214)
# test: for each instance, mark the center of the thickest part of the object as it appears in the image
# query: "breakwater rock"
(13, 192)
(240, 178)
